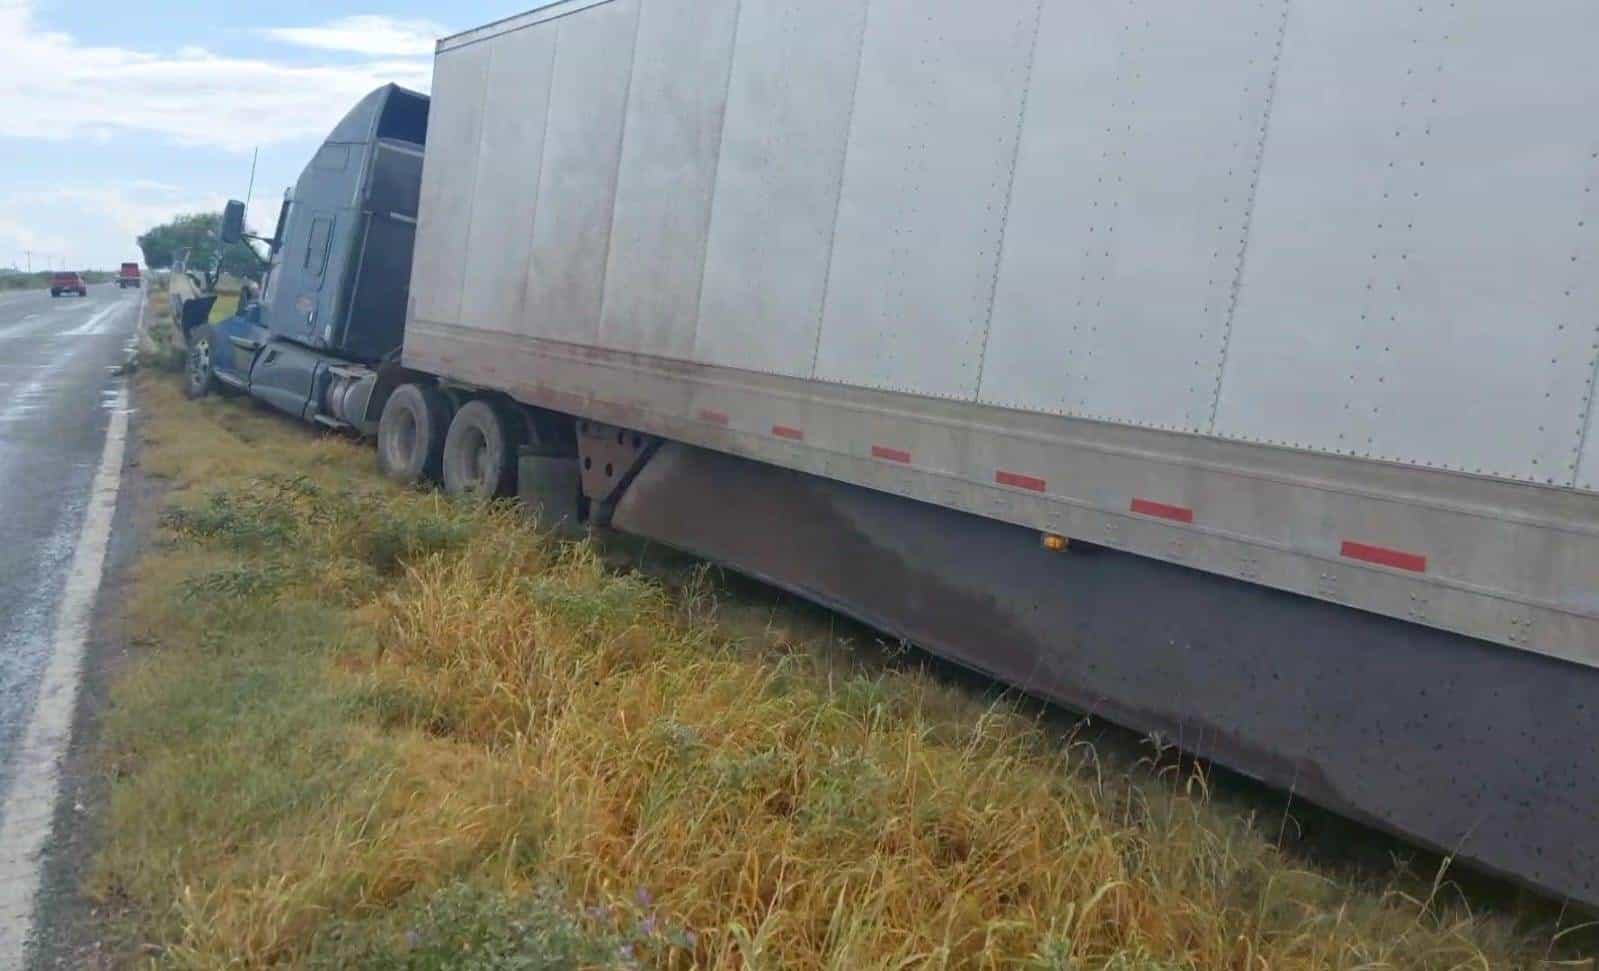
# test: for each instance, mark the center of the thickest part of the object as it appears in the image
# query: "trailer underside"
(1463, 745)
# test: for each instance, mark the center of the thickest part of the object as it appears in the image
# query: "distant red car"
(128, 276)
(67, 281)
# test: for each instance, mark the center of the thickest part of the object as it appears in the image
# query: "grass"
(160, 346)
(375, 728)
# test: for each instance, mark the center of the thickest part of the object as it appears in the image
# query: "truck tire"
(411, 433)
(480, 451)
(199, 379)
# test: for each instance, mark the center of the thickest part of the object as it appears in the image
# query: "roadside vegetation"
(195, 240)
(371, 727)
(160, 346)
(10, 281)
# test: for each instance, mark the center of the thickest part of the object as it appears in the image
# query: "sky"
(116, 116)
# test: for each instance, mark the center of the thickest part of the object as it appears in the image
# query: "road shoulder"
(70, 927)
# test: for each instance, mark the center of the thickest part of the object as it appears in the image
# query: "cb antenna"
(250, 191)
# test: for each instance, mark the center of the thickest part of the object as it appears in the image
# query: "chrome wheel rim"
(200, 362)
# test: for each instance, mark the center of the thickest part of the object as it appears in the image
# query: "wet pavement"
(56, 388)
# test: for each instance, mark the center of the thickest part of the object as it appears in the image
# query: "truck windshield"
(277, 251)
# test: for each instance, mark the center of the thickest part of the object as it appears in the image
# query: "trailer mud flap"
(1468, 747)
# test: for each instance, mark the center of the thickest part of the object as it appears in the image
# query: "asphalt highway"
(57, 388)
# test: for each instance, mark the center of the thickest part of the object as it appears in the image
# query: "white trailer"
(1286, 311)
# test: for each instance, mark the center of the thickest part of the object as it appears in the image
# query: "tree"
(200, 234)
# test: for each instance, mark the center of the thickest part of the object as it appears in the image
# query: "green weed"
(384, 729)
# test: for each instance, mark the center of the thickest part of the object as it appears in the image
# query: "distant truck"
(67, 281)
(128, 276)
(1231, 377)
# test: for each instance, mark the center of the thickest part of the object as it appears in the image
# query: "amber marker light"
(1054, 543)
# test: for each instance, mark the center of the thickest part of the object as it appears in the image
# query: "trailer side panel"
(669, 149)
(1129, 207)
(571, 231)
(1420, 281)
(1349, 238)
(791, 96)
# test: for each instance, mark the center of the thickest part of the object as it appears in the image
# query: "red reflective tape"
(1146, 507)
(1383, 556)
(786, 431)
(1019, 481)
(714, 417)
(890, 454)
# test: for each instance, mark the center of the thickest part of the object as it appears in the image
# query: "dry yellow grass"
(383, 729)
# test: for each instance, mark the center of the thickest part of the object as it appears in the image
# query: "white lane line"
(26, 816)
(93, 324)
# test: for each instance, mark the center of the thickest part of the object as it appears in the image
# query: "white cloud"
(58, 88)
(370, 35)
(89, 225)
(129, 209)
(71, 96)
(22, 238)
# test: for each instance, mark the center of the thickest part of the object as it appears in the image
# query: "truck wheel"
(480, 451)
(198, 378)
(411, 433)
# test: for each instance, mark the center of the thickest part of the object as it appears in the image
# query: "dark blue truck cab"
(332, 309)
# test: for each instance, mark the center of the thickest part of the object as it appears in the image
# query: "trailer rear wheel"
(480, 451)
(411, 433)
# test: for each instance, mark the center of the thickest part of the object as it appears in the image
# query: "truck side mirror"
(233, 222)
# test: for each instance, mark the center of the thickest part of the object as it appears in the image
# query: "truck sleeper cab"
(333, 304)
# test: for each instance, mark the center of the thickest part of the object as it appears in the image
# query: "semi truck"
(1226, 373)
